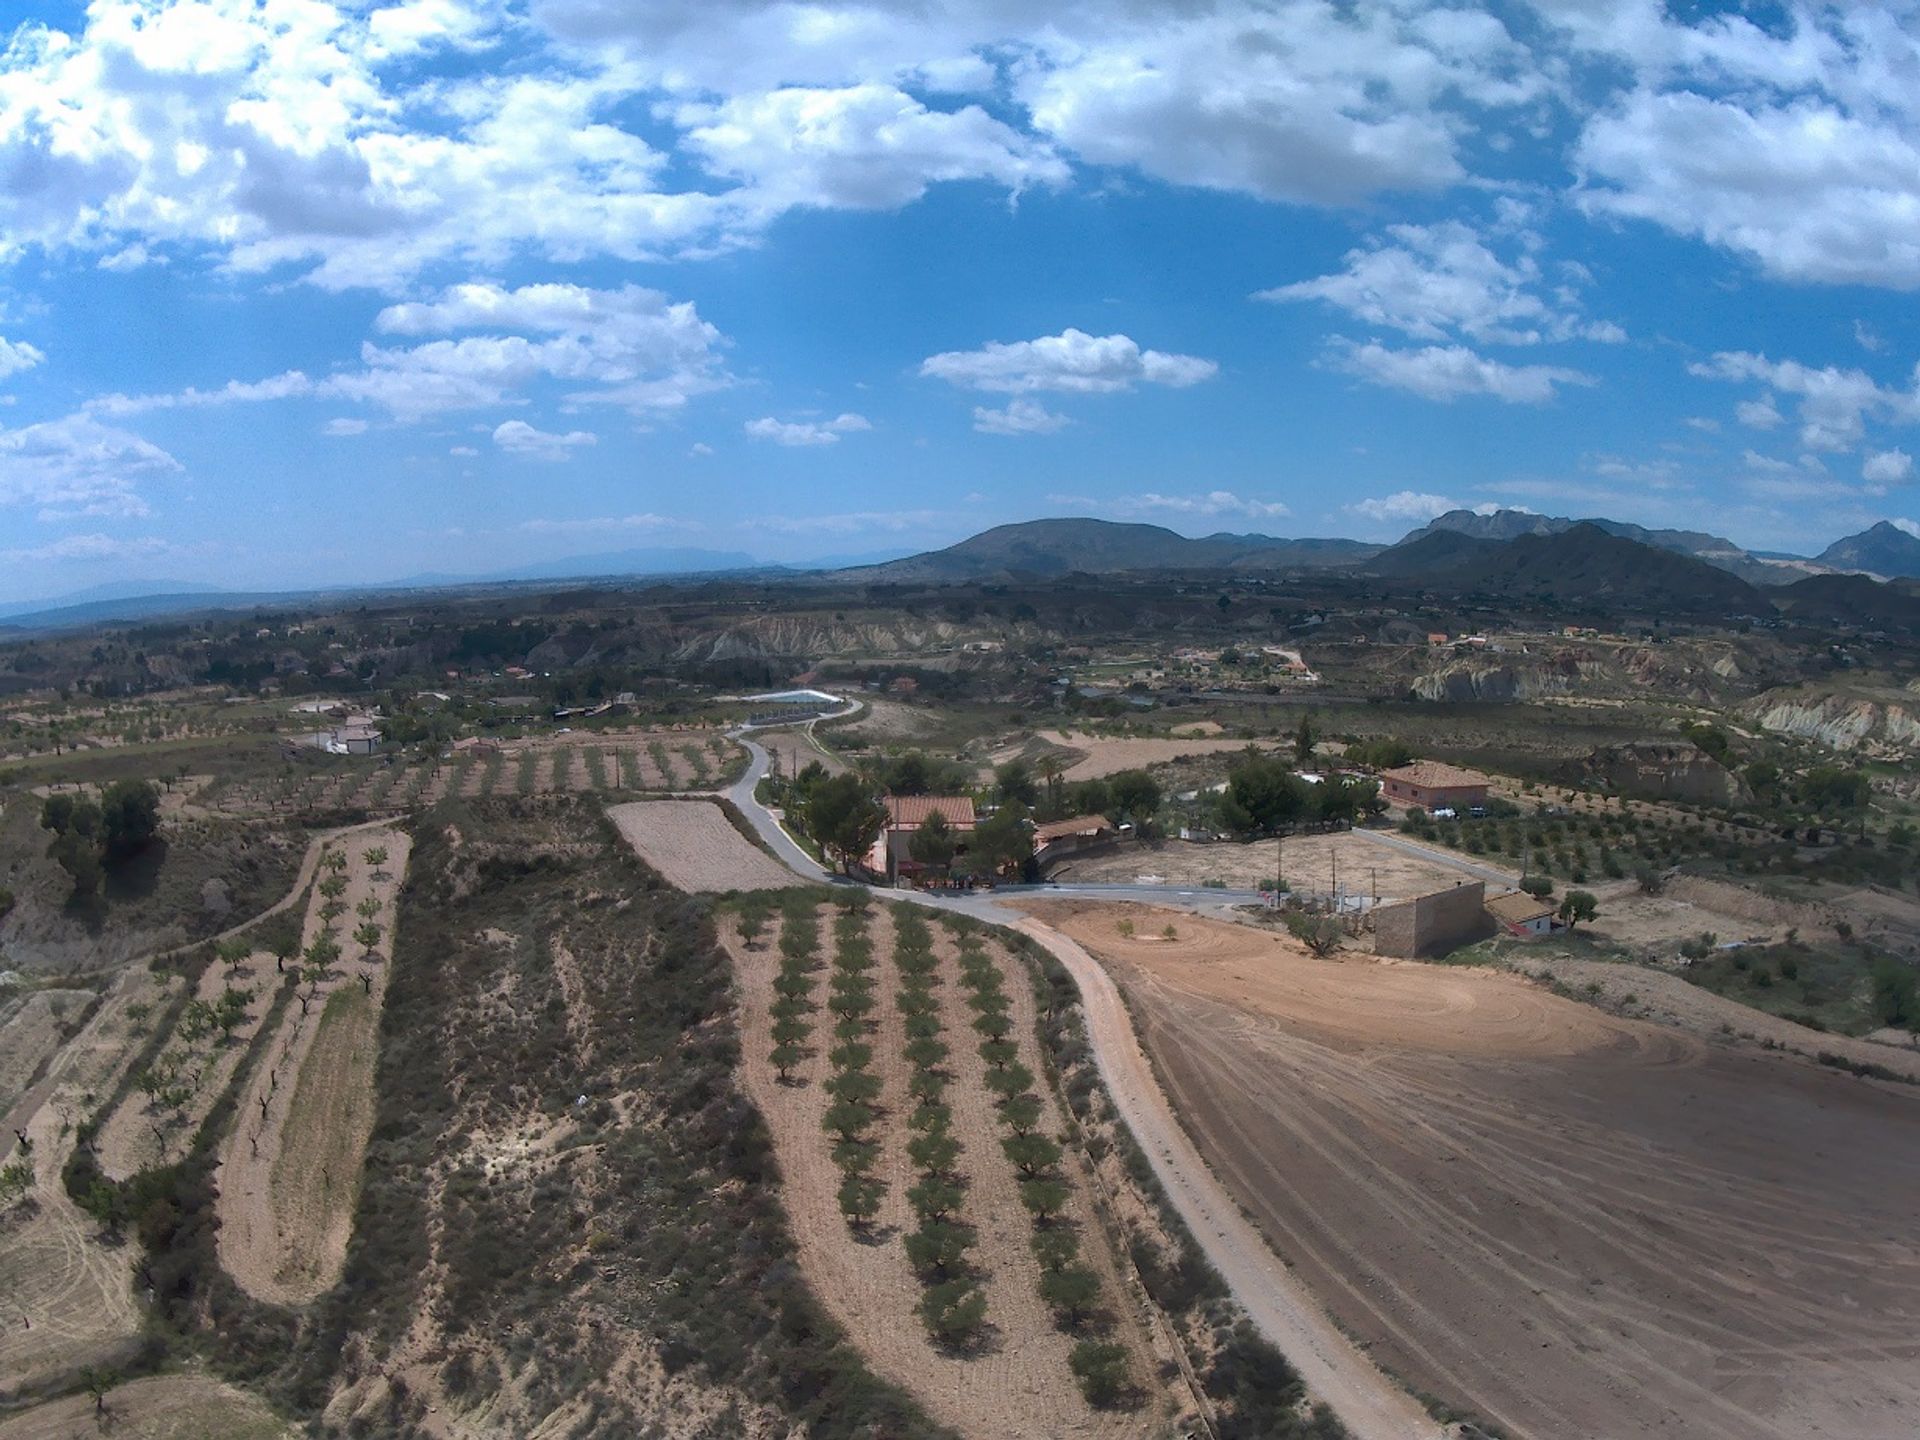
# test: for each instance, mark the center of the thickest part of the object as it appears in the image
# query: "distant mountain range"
(1049, 548)
(1505, 554)
(1884, 549)
(120, 592)
(1586, 564)
(1714, 549)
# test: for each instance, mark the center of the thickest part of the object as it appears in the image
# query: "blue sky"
(298, 292)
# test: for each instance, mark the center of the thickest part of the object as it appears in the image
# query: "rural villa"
(889, 855)
(1434, 786)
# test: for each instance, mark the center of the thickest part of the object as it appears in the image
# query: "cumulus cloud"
(1795, 146)
(863, 147)
(341, 426)
(1411, 507)
(1072, 361)
(1019, 417)
(1834, 403)
(17, 355)
(1430, 280)
(1452, 372)
(77, 465)
(1298, 100)
(1887, 467)
(517, 437)
(798, 433)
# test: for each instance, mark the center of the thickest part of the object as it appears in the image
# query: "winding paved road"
(1337, 1373)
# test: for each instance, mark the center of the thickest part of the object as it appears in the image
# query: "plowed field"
(1570, 1223)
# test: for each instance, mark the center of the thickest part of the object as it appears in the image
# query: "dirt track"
(694, 847)
(1570, 1223)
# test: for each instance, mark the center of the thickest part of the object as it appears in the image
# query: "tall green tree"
(1262, 795)
(843, 817)
(933, 843)
(1136, 795)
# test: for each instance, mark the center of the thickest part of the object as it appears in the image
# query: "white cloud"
(863, 147)
(1868, 338)
(342, 426)
(465, 452)
(517, 437)
(92, 547)
(17, 355)
(1020, 416)
(806, 432)
(1887, 467)
(1450, 372)
(1072, 361)
(1411, 507)
(1435, 279)
(1761, 414)
(1764, 464)
(1796, 146)
(288, 385)
(1833, 403)
(1704, 423)
(78, 466)
(632, 348)
(1912, 527)
(699, 448)
(1295, 100)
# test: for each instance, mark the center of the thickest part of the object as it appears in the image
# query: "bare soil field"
(290, 1173)
(65, 1294)
(694, 847)
(1569, 1222)
(1108, 756)
(141, 1133)
(158, 1407)
(1018, 1383)
(32, 1028)
(1311, 861)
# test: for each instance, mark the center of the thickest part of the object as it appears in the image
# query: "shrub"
(1100, 1367)
(953, 1311)
(1071, 1292)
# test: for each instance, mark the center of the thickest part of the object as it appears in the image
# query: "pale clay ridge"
(1370, 1404)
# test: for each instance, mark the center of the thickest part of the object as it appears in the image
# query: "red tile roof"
(910, 812)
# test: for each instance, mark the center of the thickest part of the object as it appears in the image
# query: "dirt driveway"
(1567, 1222)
